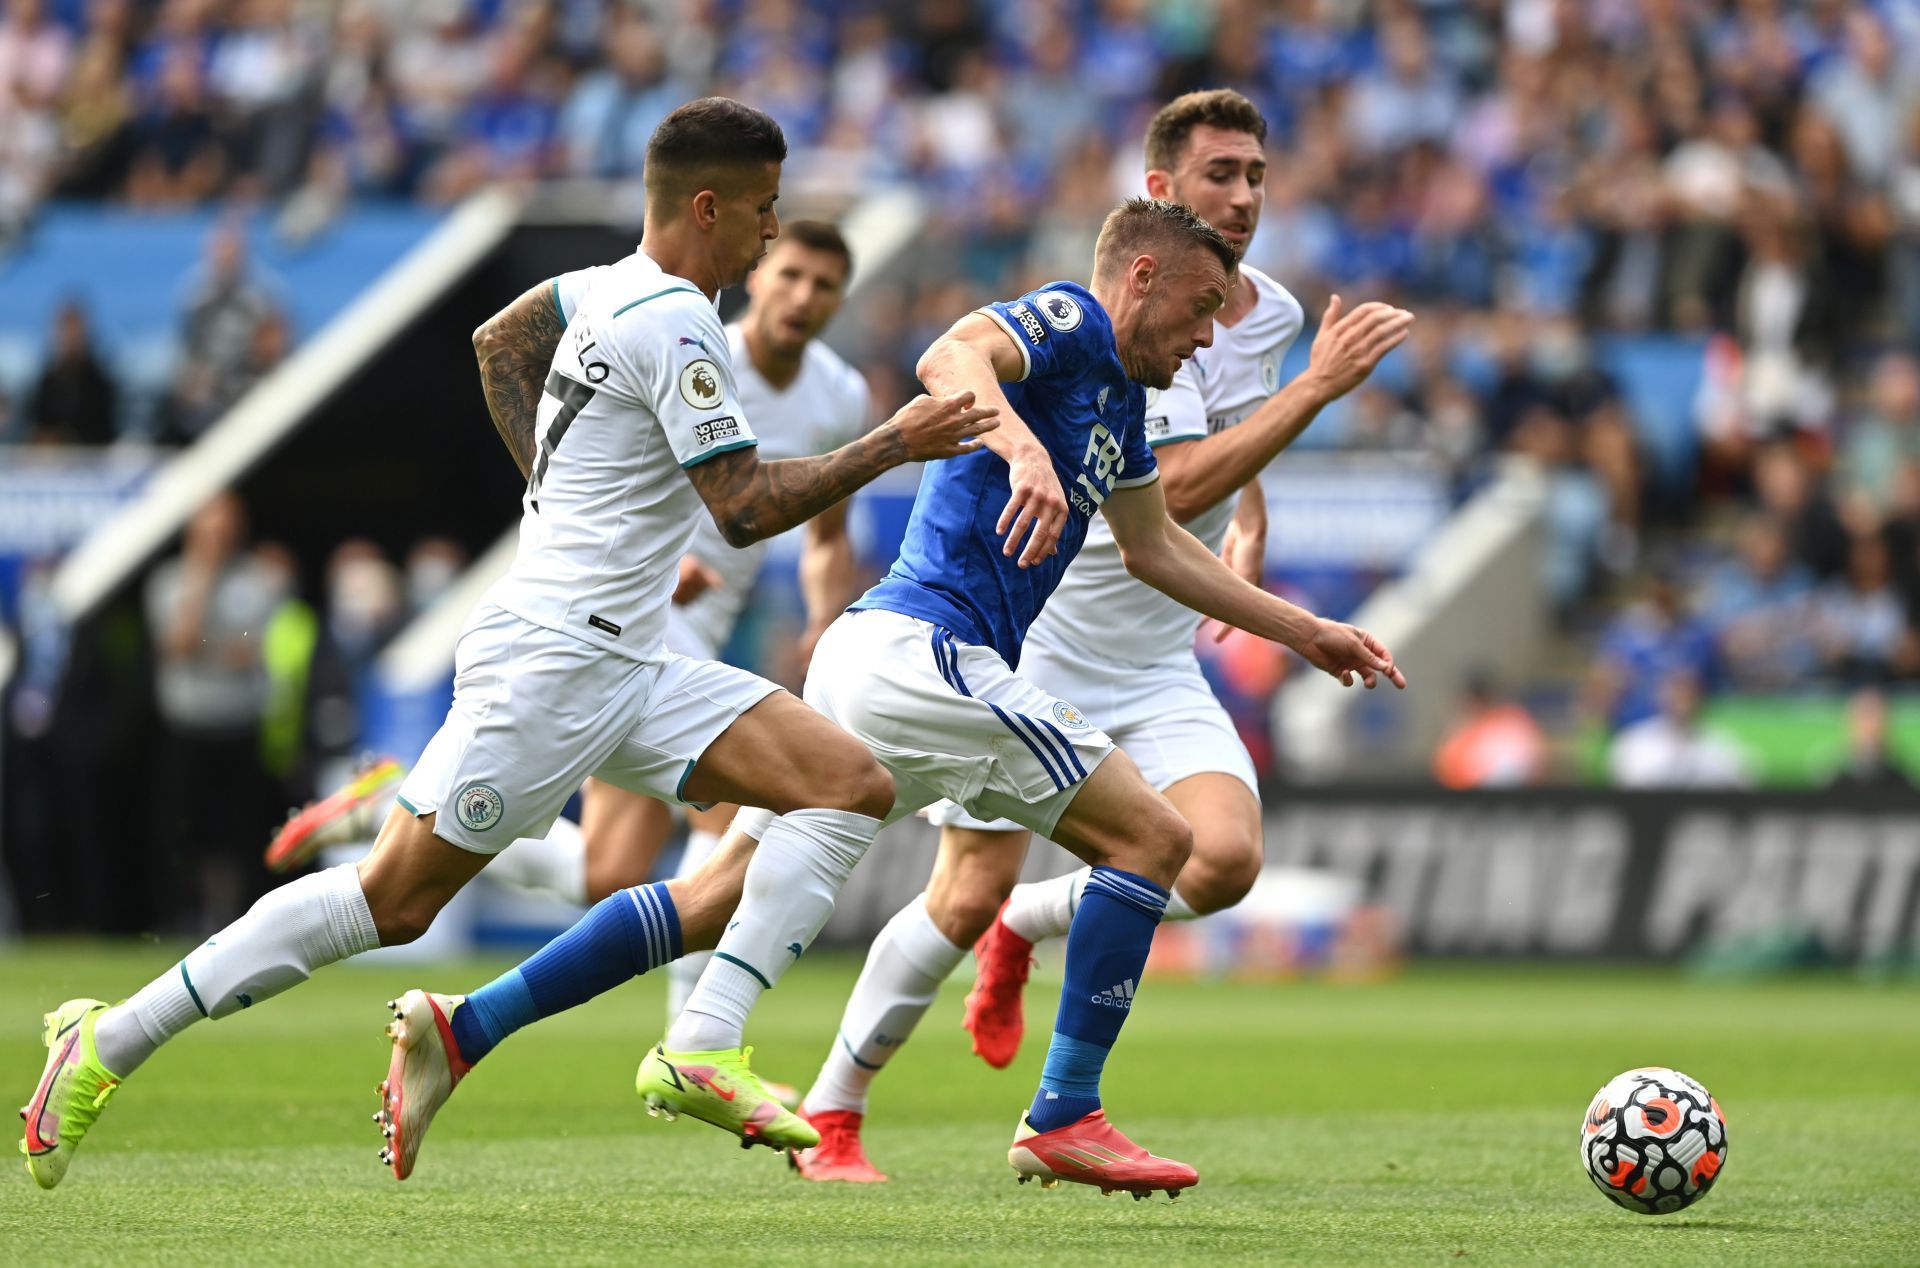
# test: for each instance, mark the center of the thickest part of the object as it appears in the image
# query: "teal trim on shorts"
(406, 805)
(671, 290)
(680, 789)
(737, 962)
(715, 453)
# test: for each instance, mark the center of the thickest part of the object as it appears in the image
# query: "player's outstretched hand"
(937, 427)
(1038, 504)
(1347, 651)
(1350, 345)
(696, 578)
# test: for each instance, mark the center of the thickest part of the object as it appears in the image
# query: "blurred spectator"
(1759, 608)
(1495, 743)
(178, 154)
(1652, 641)
(1866, 93)
(35, 52)
(207, 612)
(1886, 436)
(433, 565)
(1671, 749)
(1869, 763)
(74, 400)
(612, 112)
(365, 603)
(1860, 622)
(223, 343)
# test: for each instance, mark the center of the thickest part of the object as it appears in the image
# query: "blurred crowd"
(258, 675)
(1540, 179)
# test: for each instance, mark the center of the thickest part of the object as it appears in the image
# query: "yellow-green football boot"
(72, 1090)
(719, 1088)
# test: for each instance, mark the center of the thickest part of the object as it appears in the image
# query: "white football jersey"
(641, 388)
(823, 408)
(1100, 614)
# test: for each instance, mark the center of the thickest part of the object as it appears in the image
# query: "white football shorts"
(949, 720)
(536, 711)
(1165, 717)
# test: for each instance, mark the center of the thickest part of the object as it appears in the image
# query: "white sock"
(1039, 910)
(798, 869)
(685, 971)
(555, 864)
(902, 977)
(282, 939)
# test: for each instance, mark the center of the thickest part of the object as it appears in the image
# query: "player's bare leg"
(791, 763)
(705, 828)
(429, 1060)
(624, 833)
(778, 751)
(1136, 843)
(916, 951)
(388, 899)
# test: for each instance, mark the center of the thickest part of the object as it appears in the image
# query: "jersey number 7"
(573, 396)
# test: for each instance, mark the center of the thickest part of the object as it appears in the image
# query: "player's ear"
(1141, 273)
(1159, 184)
(706, 208)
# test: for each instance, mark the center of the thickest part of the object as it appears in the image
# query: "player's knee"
(963, 912)
(862, 787)
(1220, 871)
(1168, 840)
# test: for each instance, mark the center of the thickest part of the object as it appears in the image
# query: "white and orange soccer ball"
(1654, 1140)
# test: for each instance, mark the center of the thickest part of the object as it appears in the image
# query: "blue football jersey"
(1079, 403)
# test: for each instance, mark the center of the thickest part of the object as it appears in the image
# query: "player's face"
(1176, 316)
(796, 291)
(1222, 175)
(745, 222)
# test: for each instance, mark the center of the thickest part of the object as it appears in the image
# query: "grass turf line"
(1429, 1119)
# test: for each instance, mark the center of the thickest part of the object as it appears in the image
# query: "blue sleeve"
(1137, 464)
(1051, 329)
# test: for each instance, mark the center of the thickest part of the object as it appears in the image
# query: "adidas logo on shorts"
(1120, 996)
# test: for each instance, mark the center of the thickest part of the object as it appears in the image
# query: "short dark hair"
(707, 134)
(1216, 107)
(1152, 225)
(818, 235)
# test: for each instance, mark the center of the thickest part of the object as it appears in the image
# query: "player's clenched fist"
(935, 427)
(1347, 650)
(1038, 504)
(1350, 345)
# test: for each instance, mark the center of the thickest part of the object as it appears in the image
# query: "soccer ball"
(1654, 1141)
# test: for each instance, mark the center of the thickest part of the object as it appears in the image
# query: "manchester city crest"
(480, 806)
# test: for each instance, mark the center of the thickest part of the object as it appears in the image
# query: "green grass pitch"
(1427, 1120)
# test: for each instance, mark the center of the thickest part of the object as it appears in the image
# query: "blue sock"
(1107, 946)
(623, 936)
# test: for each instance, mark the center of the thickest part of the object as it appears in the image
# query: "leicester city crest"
(1068, 716)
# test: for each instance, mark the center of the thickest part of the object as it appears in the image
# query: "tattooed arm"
(515, 349)
(752, 500)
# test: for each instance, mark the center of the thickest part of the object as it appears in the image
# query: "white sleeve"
(676, 355)
(1177, 412)
(570, 290)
